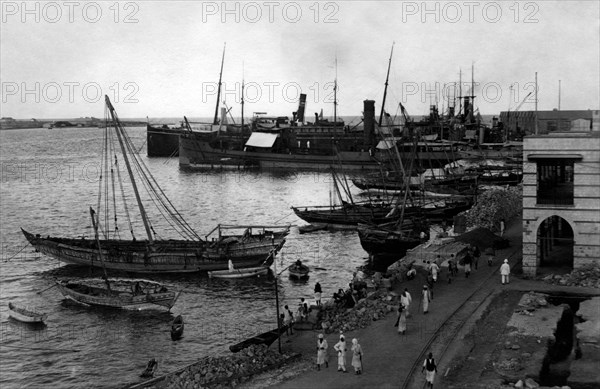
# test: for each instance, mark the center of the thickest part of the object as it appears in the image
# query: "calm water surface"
(49, 181)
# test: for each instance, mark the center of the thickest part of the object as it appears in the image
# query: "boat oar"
(47, 289)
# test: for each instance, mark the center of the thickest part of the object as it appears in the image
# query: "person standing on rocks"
(406, 300)
(289, 320)
(356, 356)
(321, 352)
(430, 366)
(425, 299)
(505, 272)
(340, 347)
(318, 292)
(502, 226)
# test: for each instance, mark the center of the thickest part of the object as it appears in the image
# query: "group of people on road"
(341, 350)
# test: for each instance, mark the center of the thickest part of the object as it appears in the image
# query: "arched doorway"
(555, 243)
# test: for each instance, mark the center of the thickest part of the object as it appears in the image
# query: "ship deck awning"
(385, 144)
(572, 157)
(261, 139)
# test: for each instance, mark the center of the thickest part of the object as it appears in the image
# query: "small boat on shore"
(177, 328)
(266, 338)
(240, 273)
(25, 315)
(150, 369)
(298, 270)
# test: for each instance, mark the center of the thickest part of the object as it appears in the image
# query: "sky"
(162, 58)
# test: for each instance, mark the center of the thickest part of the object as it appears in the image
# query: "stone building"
(561, 200)
(523, 122)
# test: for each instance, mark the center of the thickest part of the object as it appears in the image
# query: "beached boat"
(25, 315)
(240, 273)
(136, 294)
(266, 338)
(250, 247)
(177, 328)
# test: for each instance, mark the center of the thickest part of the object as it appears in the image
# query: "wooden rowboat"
(239, 273)
(25, 315)
(177, 328)
(150, 369)
(298, 271)
(266, 338)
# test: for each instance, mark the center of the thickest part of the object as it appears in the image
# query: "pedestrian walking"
(425, 299)
(430, 285)
(401, 321)
(340, 347)
(450, 270)
(431, 368)
(435, 269)
(454, 265)
(490, 254)
(476, 254)
(468, 260)
(321, 352)
(318, 293)
(357, 354)
(505, 272)
(502, 226)
(406, 300)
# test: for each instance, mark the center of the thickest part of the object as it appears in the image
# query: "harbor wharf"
(392, 360)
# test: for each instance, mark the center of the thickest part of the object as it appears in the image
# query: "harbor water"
(49, 181)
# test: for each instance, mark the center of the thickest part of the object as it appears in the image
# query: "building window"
(555, 182)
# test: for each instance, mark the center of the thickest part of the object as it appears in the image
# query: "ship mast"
(215, 120)
(118, 130)
(242, 98)
(335, 96)
(387, 77)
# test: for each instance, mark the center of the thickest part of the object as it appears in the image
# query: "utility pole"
(535, 117)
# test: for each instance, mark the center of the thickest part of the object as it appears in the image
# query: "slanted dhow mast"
(118, 130)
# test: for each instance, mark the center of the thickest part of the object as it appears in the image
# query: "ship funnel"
(369, 123)
(301, 107)
(223, 116)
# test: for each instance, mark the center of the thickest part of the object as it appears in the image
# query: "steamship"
(281, 143)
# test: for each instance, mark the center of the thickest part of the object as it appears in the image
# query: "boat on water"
(25, 315)
(250, 246)
(389, 238)
(135, 294)
(298, 270)
(177, 328)
(240, 273)
(150, 369)
(163, 140)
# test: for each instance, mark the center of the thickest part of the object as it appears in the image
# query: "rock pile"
(215, 372)
(374, 307)
(530, 302)
(587, 276)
